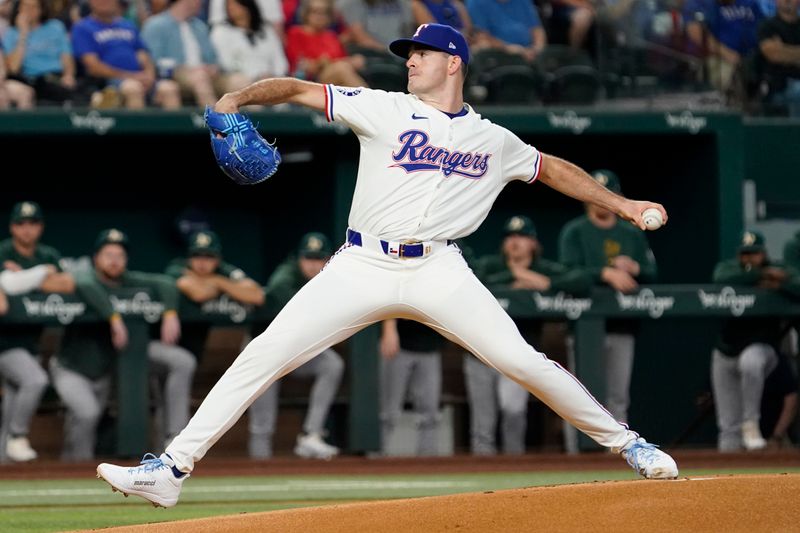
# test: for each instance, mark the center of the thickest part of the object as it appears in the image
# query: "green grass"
(62, 505)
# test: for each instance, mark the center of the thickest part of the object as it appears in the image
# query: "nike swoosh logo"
(416, 117)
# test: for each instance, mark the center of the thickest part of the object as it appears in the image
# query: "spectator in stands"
(271, 12)
(178, 34)
(411, 369)
(204, 276)
(747, 348)
(509, 25)
(248, 49)
(519, 265)
(617, 255)
(579, 16)
(725, 32)
(110, 49)
(38, 52)
(13, 92)
(82, 368)
(373, 24)
(451, 12)
(779, 43)
(327, 368)
(315, 52)
(27, 265)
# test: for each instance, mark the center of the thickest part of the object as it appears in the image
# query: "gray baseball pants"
(327, 370)
(86, 400)
(174, 366)
(417, 376)
(618, 352)
(738, 384)
(491, 393)
(24, 382)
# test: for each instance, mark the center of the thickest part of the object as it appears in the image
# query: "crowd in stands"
(173, 53)
(752, 367)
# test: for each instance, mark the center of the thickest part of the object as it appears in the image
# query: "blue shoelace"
(149, 463)
(633, 455)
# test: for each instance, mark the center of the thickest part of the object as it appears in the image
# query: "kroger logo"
(54, 305)
(727, 299)
(92, 121)
(646, 300)
(569, 120)
(139, 304)
(572, 307)
(225, 306)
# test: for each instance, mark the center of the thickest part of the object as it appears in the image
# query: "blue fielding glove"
(241, 152)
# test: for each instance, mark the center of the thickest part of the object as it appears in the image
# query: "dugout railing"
(586, 315)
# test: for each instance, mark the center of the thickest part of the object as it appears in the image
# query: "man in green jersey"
(617, 255)
(82, 369)
(27, 265)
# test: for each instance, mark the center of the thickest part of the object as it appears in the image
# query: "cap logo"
(516, 224)
(421, 27)
(27, 209)
(203, 240)
(314, 244)
(115, 235)
(451, 46)
(748, 239)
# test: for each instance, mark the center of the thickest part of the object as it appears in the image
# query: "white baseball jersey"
(422, 175)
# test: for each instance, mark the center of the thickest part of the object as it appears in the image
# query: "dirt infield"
(720, 503)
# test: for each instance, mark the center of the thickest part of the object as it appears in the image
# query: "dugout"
(138, 171)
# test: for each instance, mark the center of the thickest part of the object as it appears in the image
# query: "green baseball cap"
(205, 242)
(752, 242)
(314, 245)
(111, 236)
(607, 179)
(26, 211)
(520, 225)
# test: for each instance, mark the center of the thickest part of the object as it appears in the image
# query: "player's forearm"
(244, 291)
(274, 91)
(778, 52)
(60, 282)
(569, 179)
(196, 290)
(23, 281)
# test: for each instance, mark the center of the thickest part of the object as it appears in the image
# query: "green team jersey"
(738, 333)
(86, 347)
(195, 334)
(585, 246)
(25, 335)
(493, 270)
(284, 283)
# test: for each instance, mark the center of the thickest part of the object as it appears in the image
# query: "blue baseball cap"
(437, 36)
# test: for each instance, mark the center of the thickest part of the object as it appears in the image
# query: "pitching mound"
(720, 503)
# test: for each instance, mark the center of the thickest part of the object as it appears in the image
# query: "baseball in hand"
(652, 218)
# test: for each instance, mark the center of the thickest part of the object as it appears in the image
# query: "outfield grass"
(63, 505)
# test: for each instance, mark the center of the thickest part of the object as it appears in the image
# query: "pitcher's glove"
(241, 152)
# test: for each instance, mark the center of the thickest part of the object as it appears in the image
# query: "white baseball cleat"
(19, 449)
(154, 479)
(311, 446)
(751, 436)
(649, 461)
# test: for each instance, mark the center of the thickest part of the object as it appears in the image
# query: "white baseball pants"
(361, 286)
